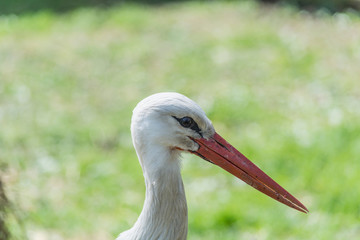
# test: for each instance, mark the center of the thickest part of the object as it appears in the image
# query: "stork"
(163, 126)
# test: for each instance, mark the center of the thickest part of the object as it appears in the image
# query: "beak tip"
(300, 207)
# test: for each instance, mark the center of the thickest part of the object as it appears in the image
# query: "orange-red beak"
(220, 152)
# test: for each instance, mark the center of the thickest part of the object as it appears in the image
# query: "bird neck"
(164, 214)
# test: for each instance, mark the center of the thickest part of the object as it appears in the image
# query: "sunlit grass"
(280, 85)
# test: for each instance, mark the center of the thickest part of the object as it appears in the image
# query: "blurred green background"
(282, 85)
(28, 6)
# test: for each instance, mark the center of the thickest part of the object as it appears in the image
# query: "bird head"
(170, 120)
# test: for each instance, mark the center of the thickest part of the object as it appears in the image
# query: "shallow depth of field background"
(280, 84)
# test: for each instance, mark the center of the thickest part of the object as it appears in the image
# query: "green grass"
(282, 86)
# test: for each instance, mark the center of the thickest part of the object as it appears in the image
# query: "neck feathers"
(164, 214)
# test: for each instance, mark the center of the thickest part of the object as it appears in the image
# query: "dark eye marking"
(188, 122)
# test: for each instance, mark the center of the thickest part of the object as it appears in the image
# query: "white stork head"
(170, 120)
(170, 123)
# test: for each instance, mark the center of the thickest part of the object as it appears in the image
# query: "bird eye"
(186, 122)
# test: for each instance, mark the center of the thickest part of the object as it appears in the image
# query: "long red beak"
(220, 152)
